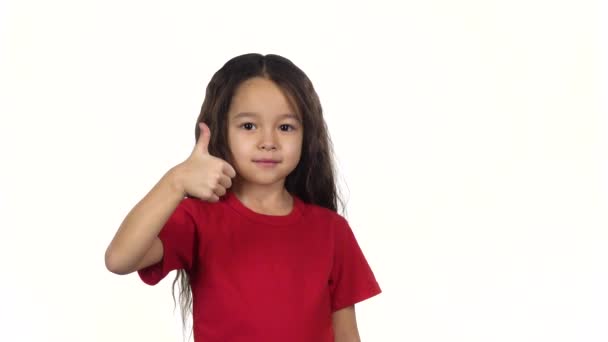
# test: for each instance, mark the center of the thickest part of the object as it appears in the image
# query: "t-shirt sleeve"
(178, 237)
(351, 279)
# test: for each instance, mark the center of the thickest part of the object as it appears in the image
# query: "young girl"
(249, 220)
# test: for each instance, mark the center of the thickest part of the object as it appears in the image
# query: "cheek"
(233, 149)
(240, 151)
(232, 141)
(236, 152)
(296, 149)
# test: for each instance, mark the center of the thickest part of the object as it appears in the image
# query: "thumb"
(202, 143)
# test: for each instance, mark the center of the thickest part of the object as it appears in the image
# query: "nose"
(268, 141)
(267, 146)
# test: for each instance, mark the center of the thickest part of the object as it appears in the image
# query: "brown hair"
(314, 178)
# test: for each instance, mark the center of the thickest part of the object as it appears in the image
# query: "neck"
(263, 198)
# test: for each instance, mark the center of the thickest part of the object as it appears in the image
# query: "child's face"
(263, 126)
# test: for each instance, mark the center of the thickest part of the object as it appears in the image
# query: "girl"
(249, 220)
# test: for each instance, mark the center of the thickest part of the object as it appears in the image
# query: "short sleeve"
(178, 237)
(351, 279)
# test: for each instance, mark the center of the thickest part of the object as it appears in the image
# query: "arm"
(345, 325)
(136, 244)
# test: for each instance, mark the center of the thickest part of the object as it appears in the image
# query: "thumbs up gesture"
(202, 175)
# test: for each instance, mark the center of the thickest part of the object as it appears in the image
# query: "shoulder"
(198, 208)
(198, 203)
(207, 217)
(193, 205)
(328, 217)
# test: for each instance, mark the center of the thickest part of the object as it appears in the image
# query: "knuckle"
(218, 188)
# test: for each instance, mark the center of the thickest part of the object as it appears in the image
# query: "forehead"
(261, 97)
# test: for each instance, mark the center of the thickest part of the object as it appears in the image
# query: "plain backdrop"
(470, 137)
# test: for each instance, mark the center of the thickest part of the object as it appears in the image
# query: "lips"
(269, 161)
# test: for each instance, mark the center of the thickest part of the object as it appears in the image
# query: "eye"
(287, 127)
(247, 125)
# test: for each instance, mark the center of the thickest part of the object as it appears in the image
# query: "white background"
(471, 139)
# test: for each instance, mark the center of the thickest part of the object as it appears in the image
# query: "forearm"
(344, 323)
(143, 223)
(354, 337)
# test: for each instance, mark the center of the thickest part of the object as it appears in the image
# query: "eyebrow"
(254, 114)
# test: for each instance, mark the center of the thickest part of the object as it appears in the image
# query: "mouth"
(266, 161)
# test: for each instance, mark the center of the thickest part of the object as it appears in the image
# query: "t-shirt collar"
(275, 220)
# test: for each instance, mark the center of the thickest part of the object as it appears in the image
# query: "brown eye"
(287, 127)
(248, 126)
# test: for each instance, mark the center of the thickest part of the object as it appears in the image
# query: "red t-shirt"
(258, 277)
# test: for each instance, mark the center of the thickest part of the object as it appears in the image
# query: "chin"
(258, 180)
(262, 178)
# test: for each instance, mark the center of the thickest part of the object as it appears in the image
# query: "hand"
(203, 175)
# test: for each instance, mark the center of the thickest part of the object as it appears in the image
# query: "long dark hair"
(314, 178)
